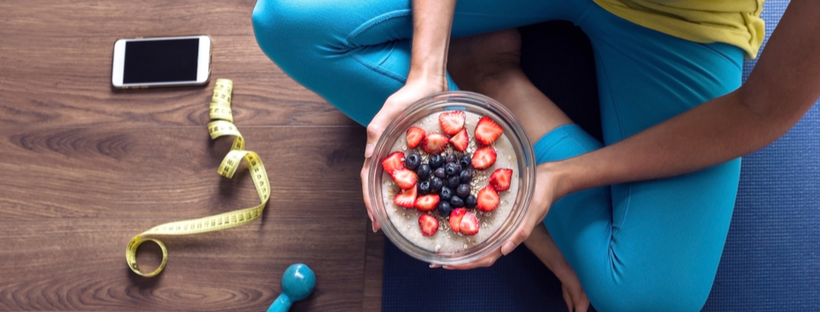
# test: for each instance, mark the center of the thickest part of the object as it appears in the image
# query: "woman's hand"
(546, 192)
(412, 91)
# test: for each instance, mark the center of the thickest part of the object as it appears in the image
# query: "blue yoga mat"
(771, 261)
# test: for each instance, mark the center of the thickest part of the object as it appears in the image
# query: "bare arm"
(782, 87)
(432, 21)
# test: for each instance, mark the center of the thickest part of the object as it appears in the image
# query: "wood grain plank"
(136, 18)
(78, 264)
(171, 172)
(63, 82)
(84, 167)
(373, 270)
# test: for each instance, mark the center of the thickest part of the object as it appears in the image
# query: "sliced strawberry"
(393, 162)
(406, 198)
(414, 136)
(469, 224)
(483, 158)
(500, 179)
(486, 130)
(427, 202)
(405, 178)
(487, 199)
(455, 219)
(434, 143)
(451, 122)
(428, 224)
(460, 140)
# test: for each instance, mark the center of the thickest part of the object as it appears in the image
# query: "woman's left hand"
(546, 193)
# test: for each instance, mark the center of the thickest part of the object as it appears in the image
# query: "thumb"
(374, 131)
(518, 237)
(379, 124)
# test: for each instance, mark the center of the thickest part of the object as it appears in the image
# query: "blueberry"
(465, 161)
(412, 161)
(456, 202)
(466, 175)
(471, 201)
(450, 158)
(436, 161)
(446, 193)
(451, 169)
(435, 185)
(444, 209)
(440, 173)
(424, 188)
(463, 190)
(424, 172)
(453, 182)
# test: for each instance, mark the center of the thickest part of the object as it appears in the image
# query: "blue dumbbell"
(297, 283)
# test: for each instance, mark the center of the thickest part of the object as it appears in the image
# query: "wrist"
(435, 79)
(561, 176)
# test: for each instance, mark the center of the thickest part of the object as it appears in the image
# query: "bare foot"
(475, 61)
(541, 244)
(490, 64)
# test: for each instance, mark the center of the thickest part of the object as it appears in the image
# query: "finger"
(518, 237)
(379, 123)
(582, 306)
(535, 215)
(567, 299)
(366, 194)
(484, 262)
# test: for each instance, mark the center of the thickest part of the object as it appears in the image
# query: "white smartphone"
(161, 62)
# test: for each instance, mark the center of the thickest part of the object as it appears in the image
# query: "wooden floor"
(83, 168)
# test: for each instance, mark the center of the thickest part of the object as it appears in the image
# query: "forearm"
(432, 22)
(783, 86)
(715, 132)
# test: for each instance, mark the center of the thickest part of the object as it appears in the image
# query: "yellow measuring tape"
(221, 125)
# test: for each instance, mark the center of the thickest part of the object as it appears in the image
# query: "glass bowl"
(522, 161)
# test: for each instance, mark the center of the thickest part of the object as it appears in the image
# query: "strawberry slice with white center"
(460, 140)
(451, 122)
(393, 162)
(455, 219)
(406, 199)
(486, 130)
(469, 224)
(414, 136)
(500, 179)
(434, 143)
(487, 199)
(428, 224)
(427, 202)
(483, 158)
(405, 178)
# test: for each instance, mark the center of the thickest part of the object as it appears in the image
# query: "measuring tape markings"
(221, 125)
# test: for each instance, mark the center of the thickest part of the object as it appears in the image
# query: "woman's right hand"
(413, 90)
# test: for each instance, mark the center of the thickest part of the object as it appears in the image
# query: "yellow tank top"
(736, 22)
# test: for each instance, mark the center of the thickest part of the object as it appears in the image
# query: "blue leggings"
(642, 246)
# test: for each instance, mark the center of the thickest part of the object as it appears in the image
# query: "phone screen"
(161, 61)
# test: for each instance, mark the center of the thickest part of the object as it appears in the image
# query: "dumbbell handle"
(281, 304)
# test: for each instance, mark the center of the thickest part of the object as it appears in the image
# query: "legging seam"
(378, 69)
(372, 23)
(619, 223)
(722, 55)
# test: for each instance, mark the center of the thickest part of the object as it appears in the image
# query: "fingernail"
(507, 248)
(446, 267)
(433, 266)
(368, 150)
(373, 226)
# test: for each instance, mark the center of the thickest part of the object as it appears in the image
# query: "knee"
(663, 295)
(288, 30)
